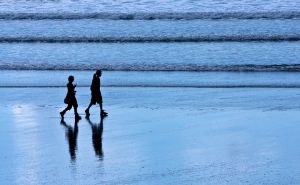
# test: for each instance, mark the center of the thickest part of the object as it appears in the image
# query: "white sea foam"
(154, 67)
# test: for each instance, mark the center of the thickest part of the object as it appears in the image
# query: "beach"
(153, 136)
(197, 92)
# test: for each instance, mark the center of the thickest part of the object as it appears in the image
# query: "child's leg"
(76, 113)
(69, 107)
(75, 105)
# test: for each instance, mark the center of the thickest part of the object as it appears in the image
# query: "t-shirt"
(71, 90)
(95, 86)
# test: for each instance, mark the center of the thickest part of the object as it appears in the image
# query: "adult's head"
(98, 73)
(71, 79)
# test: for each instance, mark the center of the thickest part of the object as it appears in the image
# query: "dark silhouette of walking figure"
(70, 99)
(71, 136)
(97, 130)
(96, 94)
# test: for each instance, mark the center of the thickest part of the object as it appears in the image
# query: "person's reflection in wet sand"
(97, 130)
(71, 136)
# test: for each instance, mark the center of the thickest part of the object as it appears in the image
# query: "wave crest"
(140, 39)
(156, 67)
(153, 16)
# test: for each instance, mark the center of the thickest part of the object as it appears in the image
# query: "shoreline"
(54, 79)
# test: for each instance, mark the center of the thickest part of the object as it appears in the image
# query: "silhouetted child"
(71, 136)
(70, 99)
(96, 94)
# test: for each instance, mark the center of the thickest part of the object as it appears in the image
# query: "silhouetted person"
(97, 130)
(96, 94)
(71, 136)
(71, 99)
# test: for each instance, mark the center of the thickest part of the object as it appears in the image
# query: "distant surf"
(140, 39)
(155, 67)
(154, 16)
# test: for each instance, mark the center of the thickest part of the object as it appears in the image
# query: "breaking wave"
(153, 16)
(141, 39)
(156, 67)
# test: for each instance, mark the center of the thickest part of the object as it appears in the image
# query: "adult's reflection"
(71, 136)
(97, 130)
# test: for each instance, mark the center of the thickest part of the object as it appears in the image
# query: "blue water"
(182, 36)
(211, 56)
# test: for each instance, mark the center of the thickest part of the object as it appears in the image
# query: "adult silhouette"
(96, 94)
(97, 130)
(71, 136)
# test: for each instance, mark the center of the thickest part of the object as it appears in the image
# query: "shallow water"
(225, 56)
(44, 79)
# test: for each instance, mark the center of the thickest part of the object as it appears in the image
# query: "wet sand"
(152, 136)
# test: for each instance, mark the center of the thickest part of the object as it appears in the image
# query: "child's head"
(71, 78)
(98, 73)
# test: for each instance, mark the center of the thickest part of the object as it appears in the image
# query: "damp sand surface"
(152, 136)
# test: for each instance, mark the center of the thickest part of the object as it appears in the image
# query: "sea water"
(143, 39)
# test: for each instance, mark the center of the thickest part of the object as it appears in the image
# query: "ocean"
(144, 39)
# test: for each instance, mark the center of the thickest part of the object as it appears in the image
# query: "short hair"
(98, 72)
(71, 78)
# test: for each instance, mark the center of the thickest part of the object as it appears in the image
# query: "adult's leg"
(100, 103)
(102, 112)
(101, 108)
(88, 108)
(75, 110)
